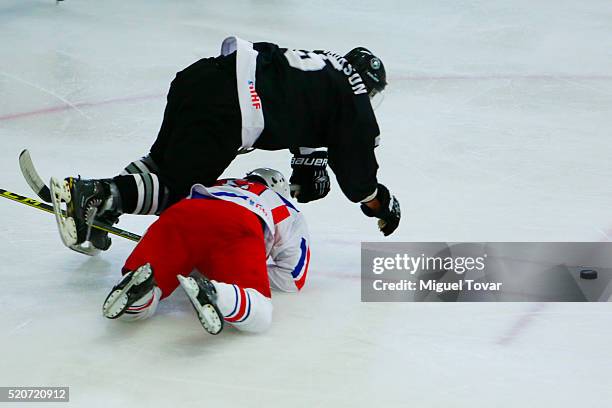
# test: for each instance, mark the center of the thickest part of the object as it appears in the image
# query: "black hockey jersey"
(307, 99)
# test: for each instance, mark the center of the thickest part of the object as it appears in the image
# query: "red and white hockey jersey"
(285, 233)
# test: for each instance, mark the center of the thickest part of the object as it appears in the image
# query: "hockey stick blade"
(48, 208)
(32, 177)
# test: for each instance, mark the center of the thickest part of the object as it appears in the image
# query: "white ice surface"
(496, 126)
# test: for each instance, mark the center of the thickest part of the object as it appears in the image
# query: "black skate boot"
(203, 296)
(99, 238)
(85, 200)
(132, 287)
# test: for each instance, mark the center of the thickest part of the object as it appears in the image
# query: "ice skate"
(130, 289)
(84, 201)
(99, 238)
(203, 296)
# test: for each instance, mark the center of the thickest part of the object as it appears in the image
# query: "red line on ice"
(538, 77)
(521, 324)
(64, 107)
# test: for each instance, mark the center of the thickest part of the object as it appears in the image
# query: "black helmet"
(370, 67)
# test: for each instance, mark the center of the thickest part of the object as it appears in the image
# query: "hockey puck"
(588, 274)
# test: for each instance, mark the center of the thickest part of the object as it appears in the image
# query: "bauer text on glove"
(309, 180)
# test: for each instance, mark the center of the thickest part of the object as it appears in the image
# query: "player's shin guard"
(246, 309)
(142, 193)
(135, 297)
(141, 190)
(143, 165)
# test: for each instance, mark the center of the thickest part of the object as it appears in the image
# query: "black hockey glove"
(309, 180)
(389, 213)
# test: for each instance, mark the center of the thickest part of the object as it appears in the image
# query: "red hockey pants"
(222, 240)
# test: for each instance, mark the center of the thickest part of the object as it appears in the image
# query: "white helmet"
(271, 178)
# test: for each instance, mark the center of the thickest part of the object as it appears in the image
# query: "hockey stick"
(32, 178)
(35, 182)
(48, 208)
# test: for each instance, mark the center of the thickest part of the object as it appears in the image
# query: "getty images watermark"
(466, 272)
(412, 264)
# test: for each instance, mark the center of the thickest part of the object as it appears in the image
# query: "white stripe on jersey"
(141, 166)
(141, 193)
(154, 206)
(250, 104)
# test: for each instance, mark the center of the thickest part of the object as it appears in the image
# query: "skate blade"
(117, 302)
(207, 314)
(60, 193)
(85, 248)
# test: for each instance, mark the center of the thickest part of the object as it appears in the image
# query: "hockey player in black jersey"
(252, 96)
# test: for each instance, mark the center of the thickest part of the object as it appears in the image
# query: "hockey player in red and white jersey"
(242, 236)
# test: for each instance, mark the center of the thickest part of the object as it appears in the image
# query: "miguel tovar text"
(433, 285)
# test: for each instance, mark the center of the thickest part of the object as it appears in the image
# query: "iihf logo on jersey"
(255, 101)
